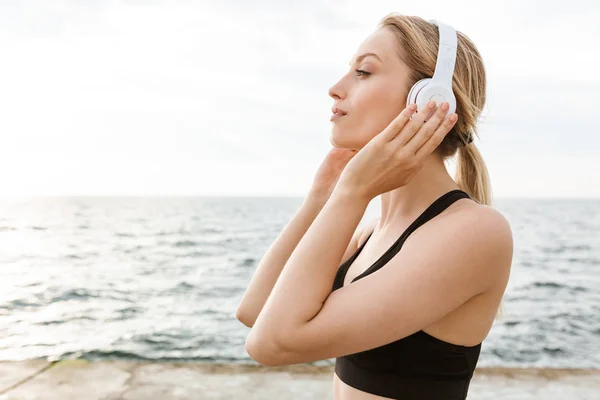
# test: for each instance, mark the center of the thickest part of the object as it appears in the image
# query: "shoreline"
(121, 379)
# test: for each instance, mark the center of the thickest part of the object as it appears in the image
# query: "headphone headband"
(439, 87)
(444, 66)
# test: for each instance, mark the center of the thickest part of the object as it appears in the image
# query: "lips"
(339, 111)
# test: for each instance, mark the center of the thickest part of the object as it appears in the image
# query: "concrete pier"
(129, 380)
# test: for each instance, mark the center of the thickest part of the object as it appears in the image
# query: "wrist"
(346, 194)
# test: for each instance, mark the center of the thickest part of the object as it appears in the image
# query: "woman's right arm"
(277, 256)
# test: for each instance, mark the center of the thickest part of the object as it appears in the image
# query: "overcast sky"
(230, 97)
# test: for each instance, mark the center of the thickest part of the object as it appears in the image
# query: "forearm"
(305, 284)
(275, 259)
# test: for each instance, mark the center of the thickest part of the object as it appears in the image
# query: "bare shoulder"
(479, 231)
(491, 238)
(475, 220)
(467, 211)
(490, 224)
(488, 221)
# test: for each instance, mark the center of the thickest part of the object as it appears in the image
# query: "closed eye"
(360, 72)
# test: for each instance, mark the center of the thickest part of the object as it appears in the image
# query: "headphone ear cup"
(438, 93)
(413, 94)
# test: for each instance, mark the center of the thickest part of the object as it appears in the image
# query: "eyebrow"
(359, 58)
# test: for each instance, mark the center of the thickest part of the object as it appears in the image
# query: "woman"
(401, 324)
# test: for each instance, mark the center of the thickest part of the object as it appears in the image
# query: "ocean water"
(160, 278)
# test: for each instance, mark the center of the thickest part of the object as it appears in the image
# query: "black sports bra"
(419, 366)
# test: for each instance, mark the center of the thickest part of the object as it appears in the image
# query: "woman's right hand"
(329, 172)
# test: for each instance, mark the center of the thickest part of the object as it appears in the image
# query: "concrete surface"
(128, 380)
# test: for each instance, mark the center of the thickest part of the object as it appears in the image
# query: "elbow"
(260, 355)
(265, 351)
(244, 319)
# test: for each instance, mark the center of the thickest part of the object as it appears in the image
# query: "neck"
(405, 203)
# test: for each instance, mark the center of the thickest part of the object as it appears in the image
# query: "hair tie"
(469, 139)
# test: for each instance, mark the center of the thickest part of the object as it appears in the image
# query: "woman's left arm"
(307, 279)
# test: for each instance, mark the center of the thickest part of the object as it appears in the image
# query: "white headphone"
(438, 88)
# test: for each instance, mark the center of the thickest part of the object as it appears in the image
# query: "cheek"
(372, 109)
(378, 110)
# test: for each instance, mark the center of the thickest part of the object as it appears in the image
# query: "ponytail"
(472, 174)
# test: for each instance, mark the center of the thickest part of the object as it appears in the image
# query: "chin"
(337, 141)
(341, 141)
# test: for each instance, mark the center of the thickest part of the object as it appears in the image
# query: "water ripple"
(160, 279)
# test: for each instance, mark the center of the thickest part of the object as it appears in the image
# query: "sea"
(160, 278)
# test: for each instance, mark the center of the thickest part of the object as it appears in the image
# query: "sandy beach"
(80, 379)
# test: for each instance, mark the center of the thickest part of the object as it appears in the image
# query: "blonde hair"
(418, 48)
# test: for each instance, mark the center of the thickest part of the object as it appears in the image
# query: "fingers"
(432, 133)
(427, 129)
(397, 124)
(415, 123)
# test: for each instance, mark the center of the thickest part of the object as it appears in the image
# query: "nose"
(335, 91)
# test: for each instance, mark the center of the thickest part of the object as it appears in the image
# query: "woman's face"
(370, 99)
